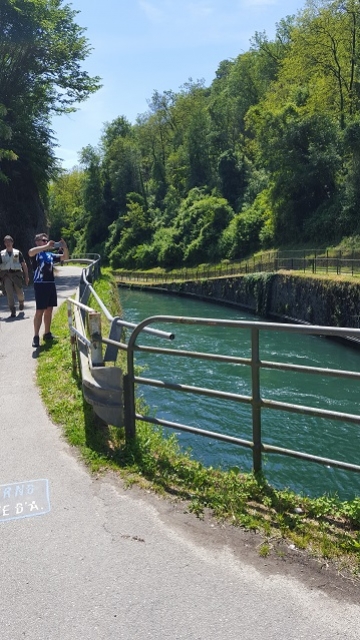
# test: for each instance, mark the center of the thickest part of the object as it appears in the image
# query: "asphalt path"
(83, 558)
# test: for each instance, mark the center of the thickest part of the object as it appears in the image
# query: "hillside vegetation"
(266, 156)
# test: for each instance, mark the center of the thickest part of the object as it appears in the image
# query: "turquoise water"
(331, 439)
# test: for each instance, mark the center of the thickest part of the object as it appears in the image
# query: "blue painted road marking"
(24, 499)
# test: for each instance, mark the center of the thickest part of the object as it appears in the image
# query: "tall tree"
(95, 228)
(301, 153)
(191, 161)
(41, 52)
(325, 57)
(66, 207)
(5, 137)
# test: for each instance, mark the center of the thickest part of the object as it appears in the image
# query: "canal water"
(330, 439)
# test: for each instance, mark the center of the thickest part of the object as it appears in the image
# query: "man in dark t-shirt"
(42, 260)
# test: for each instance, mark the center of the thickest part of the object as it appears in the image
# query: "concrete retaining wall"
(315, 300)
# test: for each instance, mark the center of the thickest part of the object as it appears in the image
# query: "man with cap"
(13, 270)
(43, 260)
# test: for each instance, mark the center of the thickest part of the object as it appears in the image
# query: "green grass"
(325, 528)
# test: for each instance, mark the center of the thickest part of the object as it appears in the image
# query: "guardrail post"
(82, 285)
(94, 323)
(129, 397)
(72, 337)
(129, 408)
(256, 399)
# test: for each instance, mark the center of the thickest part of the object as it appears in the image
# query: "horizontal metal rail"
(200, 432)
(203, 391)
(85, 307)
(265, 448)
(308, 329)
(149, 330)
(81, 337)
(265, 364)
(310, 411)
(266, 404)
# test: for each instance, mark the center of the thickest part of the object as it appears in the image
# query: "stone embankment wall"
(287, 297)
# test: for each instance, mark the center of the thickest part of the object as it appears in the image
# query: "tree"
(118, 128)
(5, 136)
(136, 230)
(41, 52)
(123, 168)
(325, 56)
(301, 154)
(232, 177)
(201, 219)
(95, 228)
(155, 133)
(66, 207)
(190, 163)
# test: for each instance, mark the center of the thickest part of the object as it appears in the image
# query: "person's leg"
(47, 319)
(51, 303)
(37, 324)
(9, 290)
(38, 320)
(40, 309)
(19, 291)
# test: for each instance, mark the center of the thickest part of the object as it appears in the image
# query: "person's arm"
(25, 272)
(44, 247)
(65, 254)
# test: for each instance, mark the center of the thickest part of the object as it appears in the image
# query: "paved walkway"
(101, 563)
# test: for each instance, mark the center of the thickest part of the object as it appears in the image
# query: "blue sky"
(140, 46)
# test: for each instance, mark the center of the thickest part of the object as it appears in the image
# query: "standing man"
(43, 261)
(13, 270)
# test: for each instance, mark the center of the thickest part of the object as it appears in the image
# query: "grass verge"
(325, 528)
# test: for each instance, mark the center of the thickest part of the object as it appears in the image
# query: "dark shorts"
(45, 295)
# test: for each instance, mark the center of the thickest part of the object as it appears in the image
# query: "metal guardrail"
(102, 385)
(257, 402)
(104, 395)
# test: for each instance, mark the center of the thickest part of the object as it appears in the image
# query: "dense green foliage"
(267, 155)
(41, 52)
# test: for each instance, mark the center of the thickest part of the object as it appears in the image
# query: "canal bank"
(280, 296)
